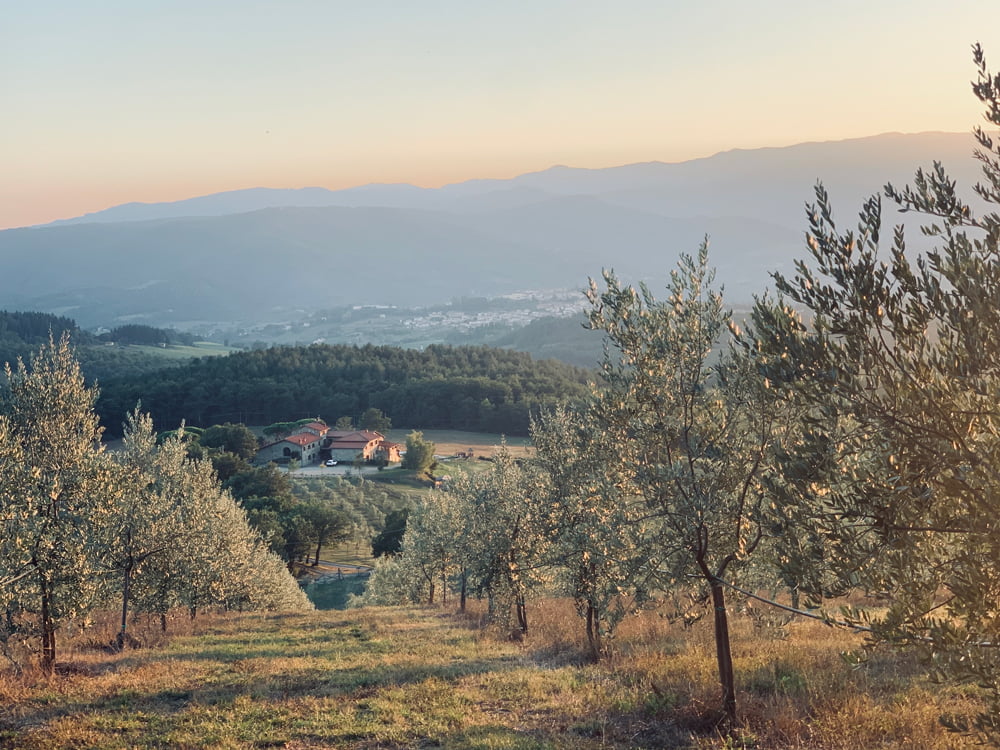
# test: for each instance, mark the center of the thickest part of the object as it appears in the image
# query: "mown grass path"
(405, 678)
(420, 678)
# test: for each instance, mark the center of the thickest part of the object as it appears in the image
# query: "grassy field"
(450, 442)
(352, 552)
(424, 677)
(200, 349)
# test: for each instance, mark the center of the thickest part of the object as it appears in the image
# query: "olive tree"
(215, 558)
(598, 541)
(433, 542)
(694, 433)
(63, 492)
(146, 522)
(505, 544)
(901, 365)
(15, 554)
(15, 544)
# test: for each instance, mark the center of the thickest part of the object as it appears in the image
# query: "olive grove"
(143, 529)
(848, 440)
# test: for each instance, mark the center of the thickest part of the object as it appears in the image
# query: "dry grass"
(419, 677)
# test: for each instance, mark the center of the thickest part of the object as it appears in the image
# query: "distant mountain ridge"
(261, 254)
(894, 151)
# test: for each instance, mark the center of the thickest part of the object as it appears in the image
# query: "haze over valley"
(243, 260)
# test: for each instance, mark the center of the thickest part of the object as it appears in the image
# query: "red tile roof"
(338, 445)
(340, 436)
(302, 439)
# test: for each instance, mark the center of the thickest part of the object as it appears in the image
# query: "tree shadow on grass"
(224, 647)
(328, 684)
(226, 687)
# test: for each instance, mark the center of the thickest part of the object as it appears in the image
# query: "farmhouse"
(389, 452)
(302, 446)
(348, 445)
(316, 428)
(314, 441)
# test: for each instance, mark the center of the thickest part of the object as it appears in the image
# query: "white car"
(330, 462)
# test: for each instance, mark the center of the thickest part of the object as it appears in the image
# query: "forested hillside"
(441, 387)
(23, 332)
(552, 337)
(100, 357)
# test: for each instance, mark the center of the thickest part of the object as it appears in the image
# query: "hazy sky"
(112, 101)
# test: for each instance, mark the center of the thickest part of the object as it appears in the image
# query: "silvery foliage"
(897, 478)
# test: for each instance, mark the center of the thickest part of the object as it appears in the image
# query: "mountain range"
(267, 254)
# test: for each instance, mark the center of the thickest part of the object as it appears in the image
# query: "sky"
(112, 101)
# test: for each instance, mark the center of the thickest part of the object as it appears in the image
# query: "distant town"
(463, 320)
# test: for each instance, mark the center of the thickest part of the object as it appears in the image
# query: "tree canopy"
(231, 438)
(419, 452)
(390, 538)
(895, 479)
(440, 387)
